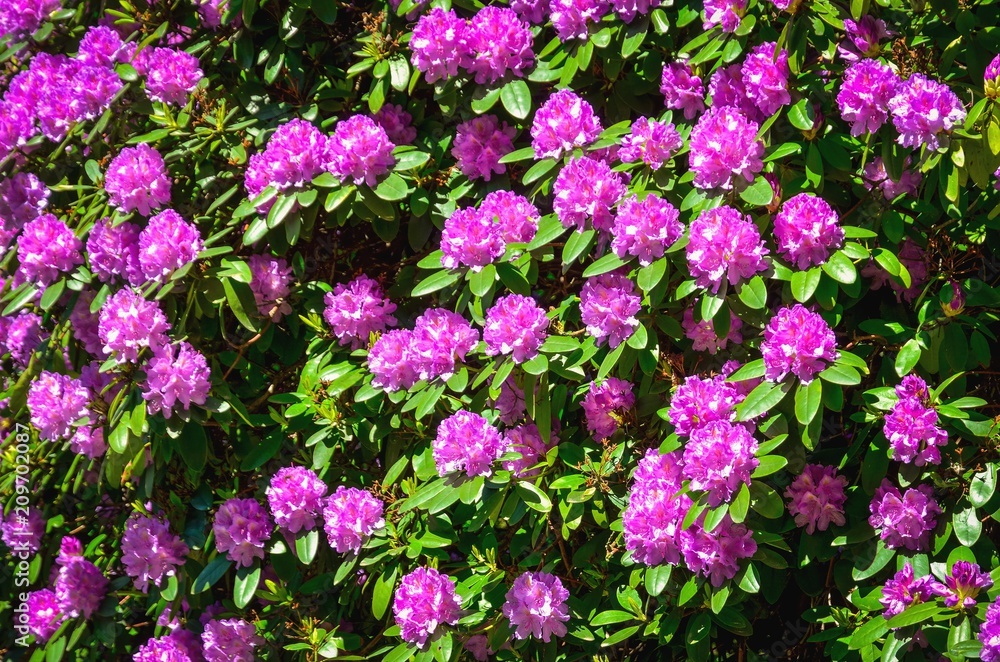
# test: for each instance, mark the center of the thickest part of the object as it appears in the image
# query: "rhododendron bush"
(549, 330)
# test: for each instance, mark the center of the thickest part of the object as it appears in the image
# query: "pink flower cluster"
(699, 401)
(725, 13)
(356, 310)
(724, 147)
(645, 228)
(864, 95)
(295, 154)
(904, 519)
(56, 403)
(912, 426)
(563, 122)
(923, 111)
(494, 43)
(79, 587)
(904, 590)
(360, 151)
(47, 248)
(515, 325)
(526, 440)
(651, 142)
(572, 18)
(719, 458)
(724, 245)
(230, 640)
(479, 145)
(682, 90)
(608, 306)
(270, 280)
(350, 517)
(605, 404)
(176, 376)
(171, 74)
(166, 244)
(466, 442)
(656, 507)
(137, 180)
(536, 606)
(241, 527)
(295, 496)
(439, 339)
(765, 75)
(808, 230)
(425, 599)
(816, 498)
(585, 190)
(797, 341)
(703, 335)
(150, 552)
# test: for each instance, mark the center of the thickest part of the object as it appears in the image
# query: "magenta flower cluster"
(177, 376)
(724, 246)
(295, 497)
(150, 552)
(808, 230)
(912, 426)
(515, 325)
(797, 341)
(493, 44)
(536, 606)
(904, 520)
(651, 142)
(605, 406)
(703, 335)
(230, 640)
(479, 145)
(424, 601)
(718, 459)
(656, 508)
(608, 306)
(585, 191)
(439, 340)
(270, 280)
(356, 310)
(137, 180)
(645, 228)
(350, 517)
(923, 111)
(724, 149)
(241, 527)
(682, 89)
(467, 443)
(565, 121)
(527, 440)
(864, 95)
(816, 498)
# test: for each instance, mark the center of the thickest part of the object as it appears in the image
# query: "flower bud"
(953, 300)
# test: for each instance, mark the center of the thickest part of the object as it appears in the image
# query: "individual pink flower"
(470, 239)
(358, 309)
(716, 555)
(47, 249)
(563, 122)
(360, 151)
(923, 110)
(645, 228)
(765, 75)
(466, 442)
(241, 527)
(724, 147)
(719, 458)
(816, 498)
(350, 517)
(904, 519)
(438, 44)
(150, 552)
(56, 403)
(167, 244)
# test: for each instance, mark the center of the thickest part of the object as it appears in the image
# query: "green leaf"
(967, 526)
(751, 370)
(759, 194)
(246, 585)
(769, 464)
(560, 345)
(523, 154)
(193, 446)
(410, 160)
(212, 573)
(650, 275)
(915, 614)
(882, 557)
(740, 505)
(578, 244)
(611, 616)
(841, 374)
(549, 229)
(241, 299)
(908, 357)
(481, 282)
(765, 501)
(306, 545)
(483, 100)
(841, 269)
(533, 497)
(516, 98)
(656, 578)
(383, 591)
(869, 633)
(807, 401)
(762, 399)
(537, 171)
(802, 115)
(804, 284)
(754, 293)
(52, 294)
(603, 265)
(436, 281)
(983, 485)
(392, 188)
(282, 207)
